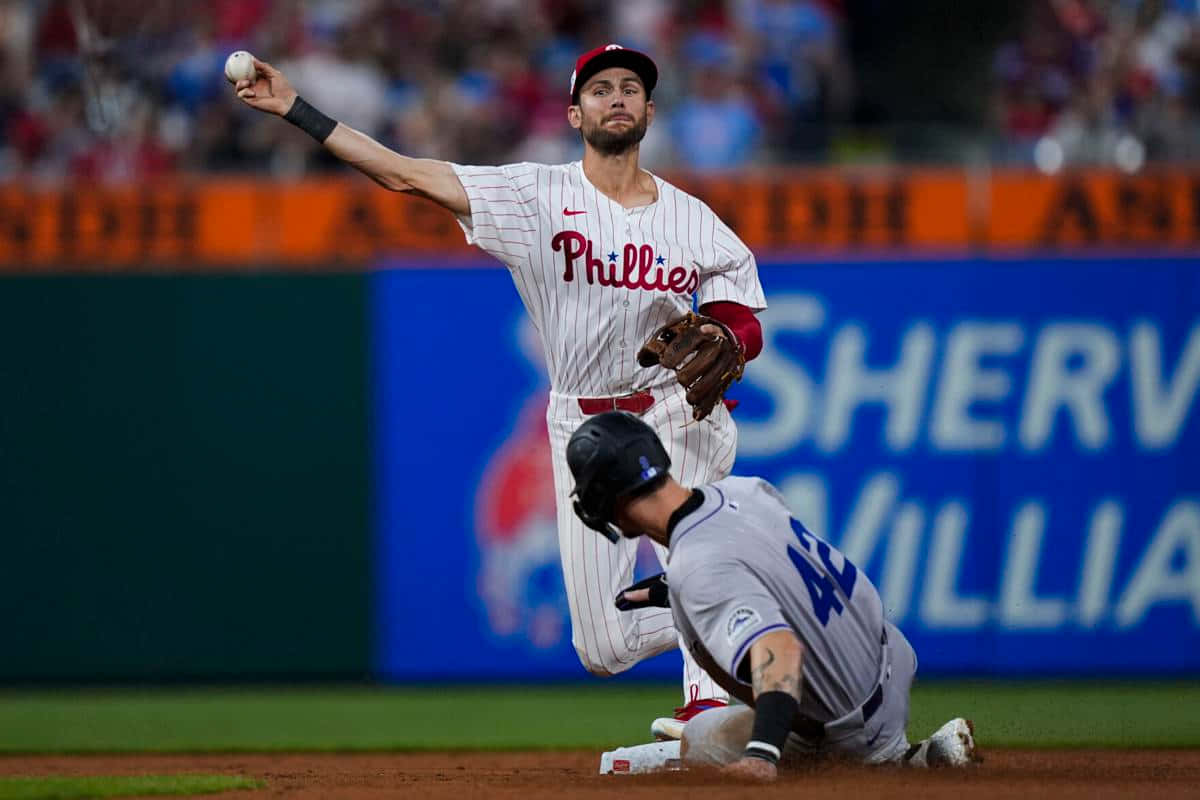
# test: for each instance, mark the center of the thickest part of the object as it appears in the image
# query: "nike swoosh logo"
(873, 738)
(572, 213)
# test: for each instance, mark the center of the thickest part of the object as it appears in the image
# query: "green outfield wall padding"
(183, 478)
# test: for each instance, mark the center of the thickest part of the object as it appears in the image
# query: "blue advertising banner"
(469, 581)
(1010, 449)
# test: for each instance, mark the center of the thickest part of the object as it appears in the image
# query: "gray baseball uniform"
(740, 567)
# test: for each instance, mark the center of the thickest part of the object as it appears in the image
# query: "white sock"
(697, 685)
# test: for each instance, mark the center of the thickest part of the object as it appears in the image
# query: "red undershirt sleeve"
(739, 319)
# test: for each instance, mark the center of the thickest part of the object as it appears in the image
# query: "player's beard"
(615, 143)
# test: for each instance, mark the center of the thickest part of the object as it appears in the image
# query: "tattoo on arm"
(771, 676)
(758, 674)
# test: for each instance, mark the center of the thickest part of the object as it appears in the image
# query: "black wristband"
(309, 120)
(774, 713)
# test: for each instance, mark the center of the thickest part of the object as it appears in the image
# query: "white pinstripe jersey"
(596, 278)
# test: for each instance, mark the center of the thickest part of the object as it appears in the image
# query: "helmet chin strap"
(612, 532)
(609, 529)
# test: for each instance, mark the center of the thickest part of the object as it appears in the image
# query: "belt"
(876, 699)
(637, 403)
(812, 729)
(873, 703)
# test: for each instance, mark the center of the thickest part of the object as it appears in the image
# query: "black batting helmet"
(613, 456)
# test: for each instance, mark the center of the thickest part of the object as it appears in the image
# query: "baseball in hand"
(239, 66)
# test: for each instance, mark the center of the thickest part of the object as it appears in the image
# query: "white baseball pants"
(609, 641)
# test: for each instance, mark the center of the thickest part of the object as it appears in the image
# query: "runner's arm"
(776, 662)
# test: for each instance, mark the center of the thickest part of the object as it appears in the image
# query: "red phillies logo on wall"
(639, 268)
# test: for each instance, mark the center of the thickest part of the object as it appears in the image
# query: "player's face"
(629, 528)
(613, 112)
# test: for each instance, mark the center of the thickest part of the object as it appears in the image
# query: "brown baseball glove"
(705, 362)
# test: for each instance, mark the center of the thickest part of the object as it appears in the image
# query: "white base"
(642, 758)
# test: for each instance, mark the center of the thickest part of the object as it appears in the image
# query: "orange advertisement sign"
(239, 224)
(1094, 209)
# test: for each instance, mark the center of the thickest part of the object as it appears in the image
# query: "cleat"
(667, 729)
(953, 745)
(684, 713)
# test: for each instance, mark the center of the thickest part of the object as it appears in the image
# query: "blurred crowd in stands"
(1103, 82)
(118, 90)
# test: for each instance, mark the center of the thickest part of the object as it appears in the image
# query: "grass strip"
(595, 715)
(331, 719)
(63, 788)
(1063, 714)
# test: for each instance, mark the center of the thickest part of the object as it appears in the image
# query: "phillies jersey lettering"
(596, 278)
(635, 270)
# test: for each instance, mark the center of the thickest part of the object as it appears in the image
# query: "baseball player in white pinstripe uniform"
(604, 254)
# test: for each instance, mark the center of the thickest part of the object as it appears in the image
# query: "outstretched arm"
(425, 177)
(775, 667)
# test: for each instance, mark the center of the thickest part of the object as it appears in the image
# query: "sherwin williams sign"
(1010, 449)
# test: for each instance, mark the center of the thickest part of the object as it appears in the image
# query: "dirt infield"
(1083, 774)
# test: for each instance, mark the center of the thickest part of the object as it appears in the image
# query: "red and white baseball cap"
(612, 55)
